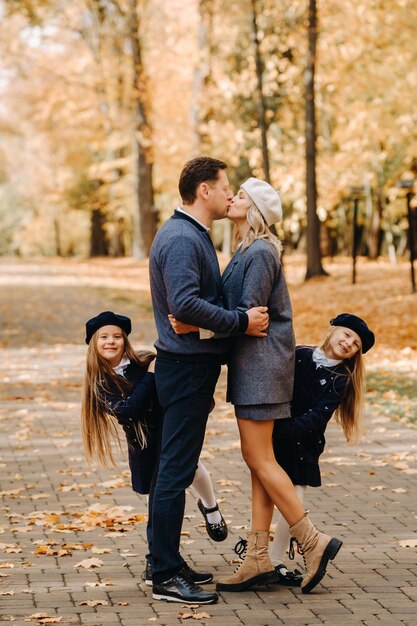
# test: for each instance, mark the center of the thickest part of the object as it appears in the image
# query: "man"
(185, 281)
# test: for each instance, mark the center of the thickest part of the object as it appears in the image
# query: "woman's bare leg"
(318, 548)
(262, 506)
(258, 453)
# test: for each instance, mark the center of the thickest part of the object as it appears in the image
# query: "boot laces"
(291, 551)
(240, 547)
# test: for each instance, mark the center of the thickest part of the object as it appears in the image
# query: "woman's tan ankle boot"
(316, 548)
(256, 567)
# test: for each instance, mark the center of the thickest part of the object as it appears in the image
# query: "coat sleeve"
(261, 273)
(128, 411)
(181, 272)
(317, 417)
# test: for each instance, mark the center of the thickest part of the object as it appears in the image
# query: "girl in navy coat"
(328, 380)
(119, 388)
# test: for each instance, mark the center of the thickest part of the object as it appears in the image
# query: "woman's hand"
(151, 367)
(180, 328)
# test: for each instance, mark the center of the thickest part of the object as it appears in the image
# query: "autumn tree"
(100, 94)
(366, 129)
(145, 212)
(201, 108)
(314, 265)
(259, 66)
(117, 28)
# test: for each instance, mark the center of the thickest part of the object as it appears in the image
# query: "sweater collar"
(179, 213)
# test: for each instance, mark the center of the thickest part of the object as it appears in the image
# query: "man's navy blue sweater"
(185, 281)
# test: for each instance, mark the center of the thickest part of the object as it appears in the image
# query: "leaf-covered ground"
(72, 537)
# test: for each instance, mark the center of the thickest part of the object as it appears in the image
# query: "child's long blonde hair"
(350, 411)
(257, 230)
(99, 425)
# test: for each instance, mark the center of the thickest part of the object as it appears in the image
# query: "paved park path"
(72, 537)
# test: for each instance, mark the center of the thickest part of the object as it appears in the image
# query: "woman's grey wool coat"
(260, 369)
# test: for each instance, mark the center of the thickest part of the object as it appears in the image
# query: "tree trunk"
(145, 219)
(57, 234)
(98, 240)
(261, 96)
(375, 231)
(261, 102)
(117, 241)
(200, 110)
(314, 265)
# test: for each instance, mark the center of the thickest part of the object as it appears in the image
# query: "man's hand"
(180, 328)
(258, 321)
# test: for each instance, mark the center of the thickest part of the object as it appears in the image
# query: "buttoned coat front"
(260, 369)
(299, 440)
(141, 406)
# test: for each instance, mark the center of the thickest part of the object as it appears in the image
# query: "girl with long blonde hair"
(329, 380)
(119, 388)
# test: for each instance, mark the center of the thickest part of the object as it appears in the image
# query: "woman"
(260, 382)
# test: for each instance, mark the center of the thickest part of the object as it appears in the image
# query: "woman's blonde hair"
(350, 411)
(99, 425)
(258, 229)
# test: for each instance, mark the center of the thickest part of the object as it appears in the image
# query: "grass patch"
(393, 394)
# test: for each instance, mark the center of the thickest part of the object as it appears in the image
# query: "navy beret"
(359, 326)
(107, 318)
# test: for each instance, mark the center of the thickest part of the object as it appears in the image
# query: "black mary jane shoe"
(292, 578)
(217, 531)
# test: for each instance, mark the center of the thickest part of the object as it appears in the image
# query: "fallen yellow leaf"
(43, 618)
(100, 550)
(94, 603)
(89, 563)
(408, 543)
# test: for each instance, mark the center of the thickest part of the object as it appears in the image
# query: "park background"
(102, 102)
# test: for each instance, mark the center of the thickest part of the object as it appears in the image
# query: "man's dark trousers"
(185, 390)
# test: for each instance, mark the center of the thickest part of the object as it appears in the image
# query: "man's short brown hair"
(197, 171)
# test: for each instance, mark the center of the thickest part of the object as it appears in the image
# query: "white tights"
(280, 544)
(203, 487)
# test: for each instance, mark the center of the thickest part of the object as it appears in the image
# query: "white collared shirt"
(321, 360)
(181, 210)
(120, 369)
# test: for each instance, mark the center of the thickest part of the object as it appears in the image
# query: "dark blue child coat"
(299, 440)
(141, 406)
